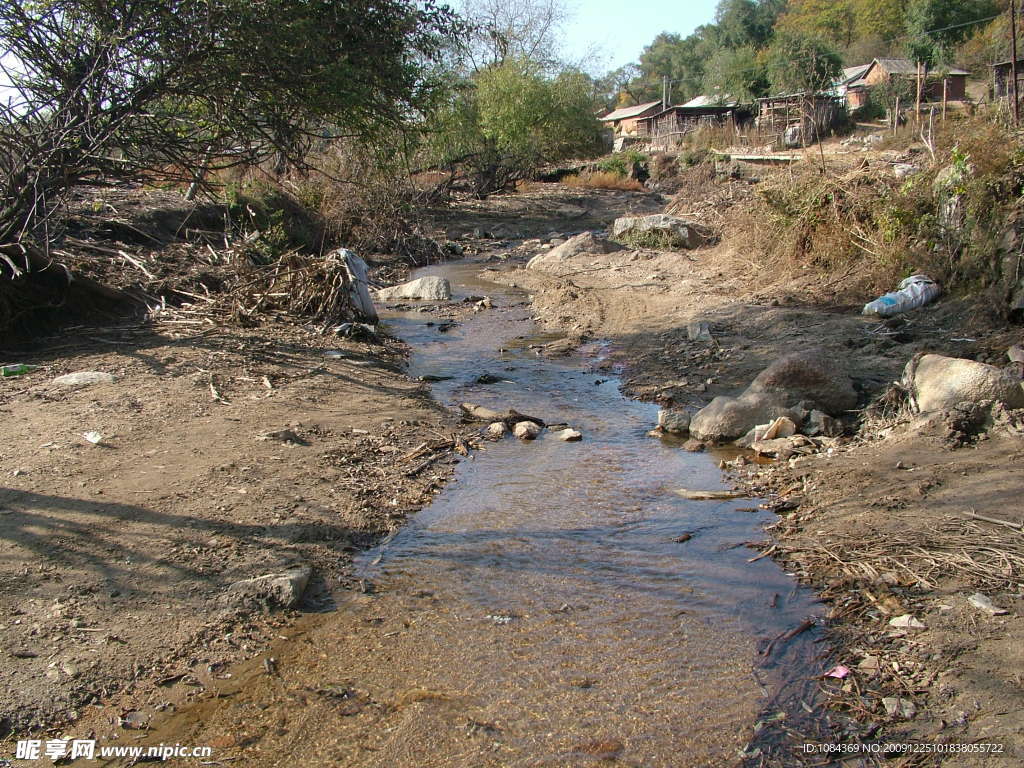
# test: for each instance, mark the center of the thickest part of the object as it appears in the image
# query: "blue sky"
(605, 34)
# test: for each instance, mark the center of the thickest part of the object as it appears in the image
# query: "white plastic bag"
(914, 292)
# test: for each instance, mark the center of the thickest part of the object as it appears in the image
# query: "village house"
(949, 83)
(850, 86)
(668, 126)
(623, 121)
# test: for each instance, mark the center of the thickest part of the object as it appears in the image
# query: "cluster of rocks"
(802, 398)
(865, 142)
(520, 425)
(806, 388)
(657, 231)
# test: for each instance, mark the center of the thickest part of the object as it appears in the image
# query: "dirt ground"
(880, 523)
(116, 556)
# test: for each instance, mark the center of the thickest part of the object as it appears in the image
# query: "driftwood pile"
(179, 265)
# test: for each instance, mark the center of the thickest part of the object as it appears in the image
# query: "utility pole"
(664, 91)
(1013, 60)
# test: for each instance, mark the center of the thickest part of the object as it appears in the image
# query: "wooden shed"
(1002, 79)
(816, 115)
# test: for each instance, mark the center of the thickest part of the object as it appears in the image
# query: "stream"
(558, 604)
(576, 622)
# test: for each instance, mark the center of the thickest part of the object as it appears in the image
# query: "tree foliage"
(119, 88)
(511, 118)
(801, 63)
(935, 27)
(737, 74)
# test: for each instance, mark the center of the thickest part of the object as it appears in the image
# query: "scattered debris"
(906, 621)
(710, 495)
(18, 369)
(287, 436)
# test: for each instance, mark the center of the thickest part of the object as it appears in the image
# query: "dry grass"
(603, 180)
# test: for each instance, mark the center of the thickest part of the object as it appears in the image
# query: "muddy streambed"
(542, 610)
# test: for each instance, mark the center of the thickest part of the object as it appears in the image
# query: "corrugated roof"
(853, 73)
(907, 67)
(624, 112)
(708, 101)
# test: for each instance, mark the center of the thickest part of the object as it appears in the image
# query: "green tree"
(801, 64)
(829, 20)
(679, 59)
(882, 19)
(510, 119)
(738, 73)
(935, 27)
(744, 23)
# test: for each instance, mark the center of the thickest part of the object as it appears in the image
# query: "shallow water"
(577, 612)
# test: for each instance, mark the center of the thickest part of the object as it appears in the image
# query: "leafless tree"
(503, 29)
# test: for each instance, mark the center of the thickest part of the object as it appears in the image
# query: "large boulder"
(940, 383)
(430, 288)
(810, 375)
(585, 242)
(727, 418)
(657, 231)
(787, 387)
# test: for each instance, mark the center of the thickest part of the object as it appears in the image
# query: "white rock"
(526, 430)
(897, 707)
(430, 288)
(83, 379)
(906, 621)
(281, 589)
(497, 430)
(584, 243)
(699, 331)
(981, 602)
(902, 170)
(676, 422)
(570, 435)
(662, 229)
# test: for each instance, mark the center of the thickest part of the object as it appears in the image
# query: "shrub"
(602, 180)
(622, 163)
